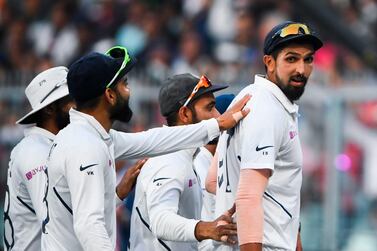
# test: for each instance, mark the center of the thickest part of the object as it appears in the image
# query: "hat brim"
(310, 39)
(126, 69)
(30, 117)
(213, 88)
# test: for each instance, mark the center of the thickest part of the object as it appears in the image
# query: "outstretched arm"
(163, 140)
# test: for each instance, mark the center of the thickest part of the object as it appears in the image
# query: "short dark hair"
(172, 118)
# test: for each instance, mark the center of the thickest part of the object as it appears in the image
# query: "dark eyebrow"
(212, 103)
(291, 53)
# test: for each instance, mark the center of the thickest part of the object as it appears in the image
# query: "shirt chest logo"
(29, 175)
(192, 182)
(292, 134)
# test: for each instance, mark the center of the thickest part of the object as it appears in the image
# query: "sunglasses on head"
(118, 52)
(204, 82)
(293, 29)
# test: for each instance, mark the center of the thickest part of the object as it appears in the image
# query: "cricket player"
(82, 195)
(48, 96)
(168, 200)
(260, 160)
(202, 162)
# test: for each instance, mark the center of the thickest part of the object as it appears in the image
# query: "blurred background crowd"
(222, 39)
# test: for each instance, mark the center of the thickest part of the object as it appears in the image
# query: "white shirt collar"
(275, 90)
(76, 116)
(38, 130)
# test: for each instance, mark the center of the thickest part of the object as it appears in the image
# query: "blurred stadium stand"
(222, 39)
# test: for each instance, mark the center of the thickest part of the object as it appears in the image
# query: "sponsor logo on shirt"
(82, 168)
(192, 182)
(29, 175)
(292, 134)
(261, 148)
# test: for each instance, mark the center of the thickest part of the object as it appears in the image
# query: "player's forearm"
(164, 140)
(249, 206)
(211, 180)
(168, 225)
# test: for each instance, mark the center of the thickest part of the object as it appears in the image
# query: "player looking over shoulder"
(260, 160)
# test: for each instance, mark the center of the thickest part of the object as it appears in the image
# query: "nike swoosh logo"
(82, 168)
(261, 148)
(160, 179)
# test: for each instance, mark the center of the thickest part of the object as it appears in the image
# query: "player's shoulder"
(259, 95)
(173, 164)
(77, 136)
(30, 152)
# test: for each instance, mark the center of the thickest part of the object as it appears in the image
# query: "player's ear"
(269, 62)
(110, 96)
(185, 115)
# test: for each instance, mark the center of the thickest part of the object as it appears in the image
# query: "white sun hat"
(47, 87)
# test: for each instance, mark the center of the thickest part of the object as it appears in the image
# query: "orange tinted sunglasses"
(204, 82)
(293, 29)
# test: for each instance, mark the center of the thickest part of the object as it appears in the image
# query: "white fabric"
(167, 204)
(90, 193)
(26, 184)
(202, 162)
(47, 87)
(266, 138)
(163, 140)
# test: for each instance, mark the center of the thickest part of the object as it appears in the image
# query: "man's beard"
(121, 111)
(62, 118)
(292, 92)
(196, 120)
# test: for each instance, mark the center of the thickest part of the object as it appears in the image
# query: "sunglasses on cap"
(293, 29)
(204, 82)
(118, 52)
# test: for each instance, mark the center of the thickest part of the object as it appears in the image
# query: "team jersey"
(81, 178)
(23, 209)
(266, 139)
(167, 204)
(202, 162)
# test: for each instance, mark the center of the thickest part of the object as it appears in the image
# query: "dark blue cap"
(223, 102)
(88, 76)
(273, 39)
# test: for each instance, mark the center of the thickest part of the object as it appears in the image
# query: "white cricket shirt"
(81, 178)
(23, 209)
(167, 205)
(202, 162)
(266, 139)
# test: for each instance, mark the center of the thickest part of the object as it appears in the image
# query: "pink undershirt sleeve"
(249, 205)
(211, 180)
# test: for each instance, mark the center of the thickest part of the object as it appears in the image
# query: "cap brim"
(211, 89)
(58, 94)
(128, 67)
(311, 39)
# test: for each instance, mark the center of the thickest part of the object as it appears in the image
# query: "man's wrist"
(120, 193)
(203, 230)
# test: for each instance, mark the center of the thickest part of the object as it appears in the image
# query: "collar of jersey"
(40, 131)
(80, 117)
(275, 90)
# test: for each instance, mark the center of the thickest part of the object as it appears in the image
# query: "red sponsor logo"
(292, 134)
(29, 175)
